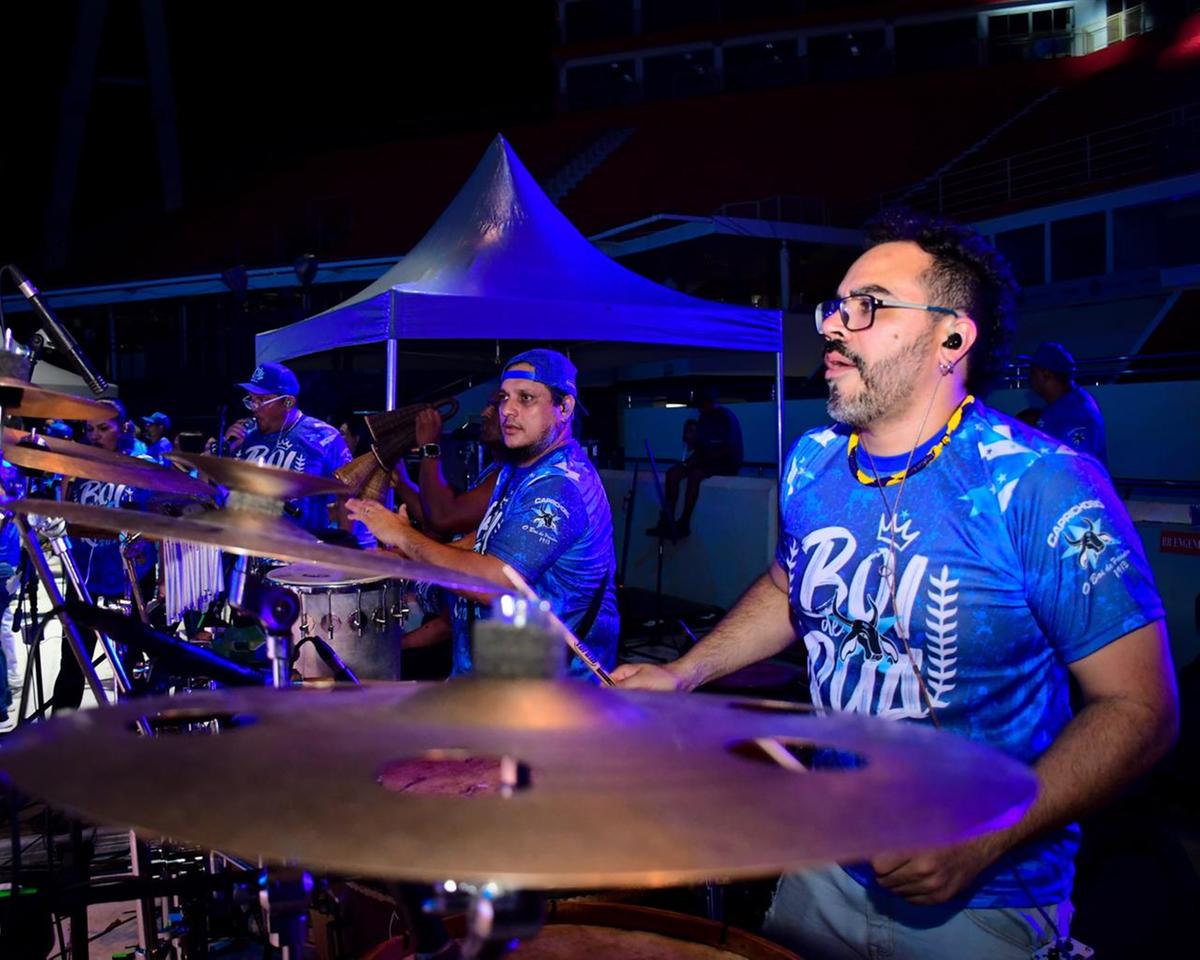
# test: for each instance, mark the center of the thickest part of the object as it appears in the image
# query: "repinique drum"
(361, 618)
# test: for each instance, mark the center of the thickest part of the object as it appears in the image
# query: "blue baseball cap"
(549, 367)
(1053, 357)
(158, 418)
(272, 378)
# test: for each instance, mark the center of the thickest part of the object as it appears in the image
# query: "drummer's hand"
(936, 876)
(646, 676)
(236, 434)
(389, 528)
(428, 426)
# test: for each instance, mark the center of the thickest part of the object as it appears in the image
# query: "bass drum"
(362, 618)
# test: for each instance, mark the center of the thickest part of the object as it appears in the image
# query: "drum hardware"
(275, 608)
(284, 895)
(190, 659)
(505, 607)
(135, 590)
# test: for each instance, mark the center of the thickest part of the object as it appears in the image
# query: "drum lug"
(358, 622)
(305, 625)
(380, 619)
(400, 612)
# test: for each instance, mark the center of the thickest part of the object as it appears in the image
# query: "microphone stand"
(630, 500)
(663, 533)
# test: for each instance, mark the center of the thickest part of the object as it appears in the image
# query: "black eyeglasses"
(857, 312)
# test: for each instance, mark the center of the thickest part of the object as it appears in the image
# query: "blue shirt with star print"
(308, 446)
(551, 522)
(1012, 558)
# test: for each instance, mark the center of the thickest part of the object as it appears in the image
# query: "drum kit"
(490, 792)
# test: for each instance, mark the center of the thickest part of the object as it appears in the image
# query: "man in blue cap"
(1071, 415)
(154, 433)
(278, 435)
(548, 517)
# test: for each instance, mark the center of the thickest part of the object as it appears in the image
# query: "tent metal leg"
(393, 374)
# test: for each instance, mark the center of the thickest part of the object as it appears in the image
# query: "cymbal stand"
(496, 919)
(71, 634)
(276, 608)
(55, 532)
(135, 590)
(284, 894)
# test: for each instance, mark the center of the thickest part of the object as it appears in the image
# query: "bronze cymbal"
(259, 480)
(625, 788)
(22, 399)
(92, 463)
(133, 473)
(239, 531)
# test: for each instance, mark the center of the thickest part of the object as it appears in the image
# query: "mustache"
(836, 346)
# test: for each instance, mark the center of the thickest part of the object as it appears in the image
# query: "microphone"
(61, 336)
(341, 670)
(231, 436)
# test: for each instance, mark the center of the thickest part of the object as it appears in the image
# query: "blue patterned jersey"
(1013, 558)
(308, 446)
(99, 559)
(551, 522)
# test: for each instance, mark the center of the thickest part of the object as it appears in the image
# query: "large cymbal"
(239, 531)
(625, 788)
(53, 455)
(259, 480)
(22, 399)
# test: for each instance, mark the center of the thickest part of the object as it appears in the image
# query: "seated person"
(716, 452)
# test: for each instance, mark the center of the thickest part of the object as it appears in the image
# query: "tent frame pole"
(392, 388)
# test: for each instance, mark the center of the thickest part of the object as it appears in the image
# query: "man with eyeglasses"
(279, 435)
(947, 564)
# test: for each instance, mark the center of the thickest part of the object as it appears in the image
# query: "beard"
(886, 388)
(529, 451)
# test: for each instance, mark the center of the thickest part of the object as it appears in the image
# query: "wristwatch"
(430, 451)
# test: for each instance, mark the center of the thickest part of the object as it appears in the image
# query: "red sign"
(1179, 541)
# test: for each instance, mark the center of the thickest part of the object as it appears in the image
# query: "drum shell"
(363, 622)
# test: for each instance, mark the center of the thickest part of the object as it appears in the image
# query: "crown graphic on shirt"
(896, 534)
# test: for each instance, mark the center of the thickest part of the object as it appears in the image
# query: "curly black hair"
(969, 274)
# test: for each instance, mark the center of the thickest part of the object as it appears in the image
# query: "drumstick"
(577, 647)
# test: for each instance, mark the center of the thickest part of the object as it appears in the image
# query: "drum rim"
(339, 585)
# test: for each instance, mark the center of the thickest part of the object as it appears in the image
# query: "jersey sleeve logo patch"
(1087, 541)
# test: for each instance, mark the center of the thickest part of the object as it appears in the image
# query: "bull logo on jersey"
(852, 621)
(864, 636)
(1088, 542)
(545, 518)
